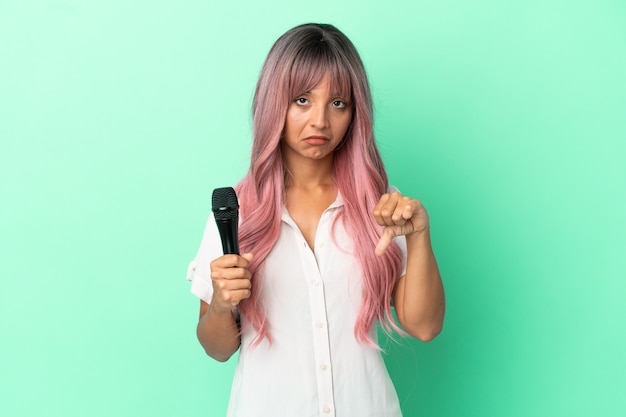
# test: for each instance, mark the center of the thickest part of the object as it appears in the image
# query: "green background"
(118, 118)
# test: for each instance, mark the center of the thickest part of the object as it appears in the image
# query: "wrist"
(419, 236)
(219, 309)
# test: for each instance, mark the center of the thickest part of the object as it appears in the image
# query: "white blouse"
(315, 367)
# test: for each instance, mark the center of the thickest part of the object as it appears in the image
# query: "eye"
(339, 104)
(301, 101)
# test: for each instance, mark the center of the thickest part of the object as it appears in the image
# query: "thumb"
(384, 242)
(248, 257)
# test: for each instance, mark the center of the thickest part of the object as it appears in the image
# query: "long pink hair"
(297, 63)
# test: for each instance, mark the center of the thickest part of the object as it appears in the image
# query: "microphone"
(226, 212)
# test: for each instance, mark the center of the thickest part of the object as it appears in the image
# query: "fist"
(399, 215)
(231, 280)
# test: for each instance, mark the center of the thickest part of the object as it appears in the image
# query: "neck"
(308, 173)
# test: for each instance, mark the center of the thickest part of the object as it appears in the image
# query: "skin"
(309, 186)
(217, 328)
(418, 296)
(315, 124)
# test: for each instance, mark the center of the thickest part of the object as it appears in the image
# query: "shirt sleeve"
(199, 269)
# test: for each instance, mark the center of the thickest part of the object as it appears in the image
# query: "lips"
(317, 140)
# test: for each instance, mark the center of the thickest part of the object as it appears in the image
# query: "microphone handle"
(228, 234)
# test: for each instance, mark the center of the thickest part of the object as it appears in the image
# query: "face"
(316, 122)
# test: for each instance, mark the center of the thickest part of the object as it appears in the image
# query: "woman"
(318, 271)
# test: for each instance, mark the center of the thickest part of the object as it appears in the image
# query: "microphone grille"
(225, 204)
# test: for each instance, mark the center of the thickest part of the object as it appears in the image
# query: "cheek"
(293, 120)
(288, 125)
(343, 124)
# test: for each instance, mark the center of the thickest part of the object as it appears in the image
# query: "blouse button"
(316, 283)
(323, 367)
(326, 410)
(319, 324)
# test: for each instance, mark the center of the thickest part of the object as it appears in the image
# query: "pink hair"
(296, 63)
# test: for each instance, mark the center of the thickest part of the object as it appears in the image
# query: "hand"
(400, 215)
(231, 281)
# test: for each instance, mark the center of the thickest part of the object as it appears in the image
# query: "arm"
(217, 329)
(418, 296)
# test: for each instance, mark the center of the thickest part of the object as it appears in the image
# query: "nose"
(319, 117)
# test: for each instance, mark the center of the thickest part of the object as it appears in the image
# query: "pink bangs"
(312, 65)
